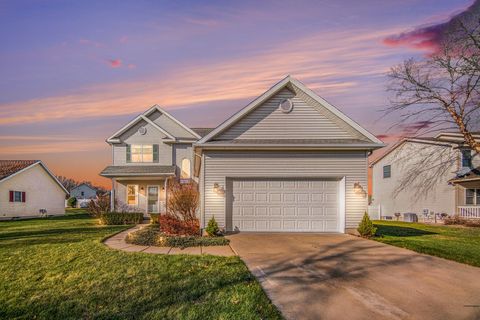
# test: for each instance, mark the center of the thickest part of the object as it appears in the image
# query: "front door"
(152, 199)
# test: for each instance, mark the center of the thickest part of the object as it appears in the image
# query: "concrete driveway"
(333, 276)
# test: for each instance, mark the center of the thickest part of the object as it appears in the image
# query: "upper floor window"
(185, 170)
(387, 171)
(472, 197)
(142, 153)
(466, 158)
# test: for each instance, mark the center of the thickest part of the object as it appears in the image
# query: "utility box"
(410, 217)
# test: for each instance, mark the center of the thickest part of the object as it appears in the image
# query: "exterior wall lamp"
(218, 189)
(358, 189)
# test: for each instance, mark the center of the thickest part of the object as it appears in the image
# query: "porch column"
(112, 196)
(166, 194)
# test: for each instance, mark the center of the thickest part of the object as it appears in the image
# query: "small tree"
(183, 201)
(212, 228)
(72, 202)
(366, 228)
(99, 206)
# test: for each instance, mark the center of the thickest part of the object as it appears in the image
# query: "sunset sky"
(73, 73)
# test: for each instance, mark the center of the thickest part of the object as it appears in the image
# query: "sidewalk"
(118, 242)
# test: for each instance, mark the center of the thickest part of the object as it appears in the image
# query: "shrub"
(172, 225)
(99, 206)
(151, 236)
(212, 228)
(366, 228)
(183, 201)
(154, 218)
(456, 219)
(121, 218)
(72, 202)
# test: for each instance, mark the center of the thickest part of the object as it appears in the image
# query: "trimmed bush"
(72, 202)
(212, 228)
(171, 225)
(154, 218)
(151, 236)
(457, 220)
(121, 218)
(366, 228)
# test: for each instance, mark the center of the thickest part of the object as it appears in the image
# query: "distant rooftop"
(9, 167)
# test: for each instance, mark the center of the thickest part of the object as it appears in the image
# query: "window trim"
(136, 194)
(475, 197)
(13, 198)
(142, 147)
(389, 166)
(465, 159)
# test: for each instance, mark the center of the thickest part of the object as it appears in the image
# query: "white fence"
(469, 212)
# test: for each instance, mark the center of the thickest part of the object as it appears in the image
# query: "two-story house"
(149, 150)
(289, 161)
(427, 175)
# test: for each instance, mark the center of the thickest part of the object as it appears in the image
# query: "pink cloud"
(429, 38)
(115, 63)
(424, 38)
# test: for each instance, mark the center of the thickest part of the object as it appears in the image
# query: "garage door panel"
(292, 204)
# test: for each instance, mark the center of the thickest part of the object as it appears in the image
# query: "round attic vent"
(286, 106)
(142, 130)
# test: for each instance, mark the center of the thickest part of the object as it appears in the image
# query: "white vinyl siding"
(269, 122)
(220, 165)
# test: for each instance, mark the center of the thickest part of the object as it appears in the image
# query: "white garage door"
(290, 205)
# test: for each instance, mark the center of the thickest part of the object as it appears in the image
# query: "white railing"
(374, 212)
(469, 211)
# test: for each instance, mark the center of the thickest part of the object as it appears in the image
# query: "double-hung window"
(472, 197)
(466, 158)
(142, 152)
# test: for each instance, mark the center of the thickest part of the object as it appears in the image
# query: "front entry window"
(153, 199)
(132, 194)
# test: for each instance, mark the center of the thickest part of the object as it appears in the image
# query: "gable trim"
(113, 138)
(272, 91)
(44, 167)
(168, 115)
(404, 140)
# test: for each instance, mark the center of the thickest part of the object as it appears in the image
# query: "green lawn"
(456, 243)
(57, 268)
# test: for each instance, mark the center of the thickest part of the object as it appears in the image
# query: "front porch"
(143, 195)
(141, 188)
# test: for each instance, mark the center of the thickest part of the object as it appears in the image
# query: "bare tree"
(441, 92)
(444, 88)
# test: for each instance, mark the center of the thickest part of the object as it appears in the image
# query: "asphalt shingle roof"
(202, 132)
(9, 167)
(290, 141)
(148, 170)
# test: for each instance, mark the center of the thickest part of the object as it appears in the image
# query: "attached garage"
(285, 204)
(287, 162)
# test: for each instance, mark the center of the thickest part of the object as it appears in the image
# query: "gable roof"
(444, 139)
(10, 168)
(288, 81)
(202, 132)
(84, 184)
(144, 116)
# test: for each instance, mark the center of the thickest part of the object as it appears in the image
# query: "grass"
(458, 243)
(152, 236)
(57, 268)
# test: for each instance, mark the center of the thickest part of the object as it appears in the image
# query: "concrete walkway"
(118, 242)
(337, 276)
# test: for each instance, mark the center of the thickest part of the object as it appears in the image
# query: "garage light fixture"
(218, 189)
(357, 188)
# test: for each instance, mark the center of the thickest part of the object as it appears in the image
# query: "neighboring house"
(29, 189)
(447, 183)
(288, 161)
(83, 193)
